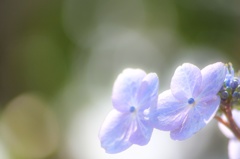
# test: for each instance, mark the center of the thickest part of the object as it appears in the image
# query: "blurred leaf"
(209, 22)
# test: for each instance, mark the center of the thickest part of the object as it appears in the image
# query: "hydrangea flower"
(134, 92)
(192, 100)
(234, 143)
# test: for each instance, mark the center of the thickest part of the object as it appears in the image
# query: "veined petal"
(197, 118)
(186, 82)
(125, 88)
(212, 78)
(142, 134)
(170, 112)
(234, 149)
(148, 93)
(116, 131)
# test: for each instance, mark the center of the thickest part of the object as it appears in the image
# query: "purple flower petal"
(115, 132)
(148, 92)
(197, 118)
(142, 133)
(186, 82)
(234, 149)
(169, 113)
(125, 89)
(212, 78)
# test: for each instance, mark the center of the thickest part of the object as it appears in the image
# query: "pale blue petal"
(234, 149)
(170, 112)
(208, 107)
(125, 89)
(148, 92)
(197, 118)
(186, 82)
(142, 133)
(212, 78)
(116, 131)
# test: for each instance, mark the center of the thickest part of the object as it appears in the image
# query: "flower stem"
(231, 123)
(219, 119)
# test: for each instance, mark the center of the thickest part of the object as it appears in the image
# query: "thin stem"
(232, 124)
(218, 118)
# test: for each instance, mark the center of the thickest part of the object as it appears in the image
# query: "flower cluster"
(231, 87)
(195, 97)
(229, 115)
(234, 142)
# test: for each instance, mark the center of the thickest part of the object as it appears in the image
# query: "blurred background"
(59, 60)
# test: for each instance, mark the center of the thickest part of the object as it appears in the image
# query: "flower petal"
(142, 134)
(197, 118)
(212, 78)
(125, 88)
(186, 82)
(115, 132)
(170, 112)
(234, 149)
(148, 92)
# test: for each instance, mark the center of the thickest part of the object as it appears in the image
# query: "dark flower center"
(132, 109)
(191, 101)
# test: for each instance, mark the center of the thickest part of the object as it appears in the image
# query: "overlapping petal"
(192, 102)
(234, 149)
(134, 92)
(125, 88)
(212, 78)
(142, 133)
(186, 82)
(115, 132)
(148, 92)
(197, 118)
(169, 113)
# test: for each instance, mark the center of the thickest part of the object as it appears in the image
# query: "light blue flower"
(192, 100)
(134, 92)
(234, 143)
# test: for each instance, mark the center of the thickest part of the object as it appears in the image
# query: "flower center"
(191, 101)
(132, 109)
